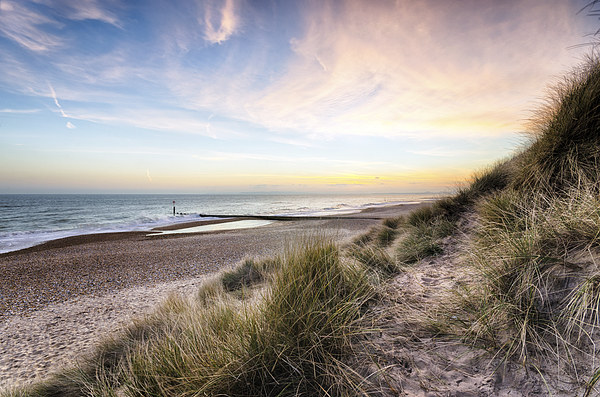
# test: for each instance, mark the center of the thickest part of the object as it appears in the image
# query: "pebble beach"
(59, 299)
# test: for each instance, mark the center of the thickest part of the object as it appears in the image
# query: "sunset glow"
(253, 96)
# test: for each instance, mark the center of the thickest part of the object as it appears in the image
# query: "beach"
(60, 298)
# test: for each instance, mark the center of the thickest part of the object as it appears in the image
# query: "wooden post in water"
(173, 207)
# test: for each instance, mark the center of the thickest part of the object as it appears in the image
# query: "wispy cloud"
(25, 26)
(291, 141)
(392, 68)
(69, 125)
(441, 152)
(19, 111)
(220, 20)
(53, 94)
(148, 176)
(153, 118)
(84, 9)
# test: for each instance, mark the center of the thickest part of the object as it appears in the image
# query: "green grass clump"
(365, 238)
(423, 215)
(313, 307)
(290, 339)
(242, 276)
(248, 273)
(418, 244)
(566, 149)
(393, 223)
(375, 258)
(424, 239)
(503, 211)
(540, 284)
(385, 236)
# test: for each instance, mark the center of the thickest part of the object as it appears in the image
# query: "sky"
(224, 96)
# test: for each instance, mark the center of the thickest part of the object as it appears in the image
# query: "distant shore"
(59, 298)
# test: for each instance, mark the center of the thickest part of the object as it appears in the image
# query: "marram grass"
(289, 337)
(376, 258)
(540, 293)
(534, 232)
(566, 147)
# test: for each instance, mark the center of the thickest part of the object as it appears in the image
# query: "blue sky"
(230, 95)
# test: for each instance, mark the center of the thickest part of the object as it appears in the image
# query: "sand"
(57, 300)
(422, 361)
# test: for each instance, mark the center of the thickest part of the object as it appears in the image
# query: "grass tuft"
(566, 147)
(540, 294)
(291, 339)
(365, 238)
(424, 239)
(418, 244)
(393, 223)
(385, 236)
(244, 275)
(582, 308)
(375, 258)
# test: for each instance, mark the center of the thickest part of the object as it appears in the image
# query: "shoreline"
(63, 242)
(35, 235)
(59, 299)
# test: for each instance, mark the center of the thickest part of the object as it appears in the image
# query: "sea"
(30, 219)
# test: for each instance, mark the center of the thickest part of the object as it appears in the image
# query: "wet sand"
(60, 298)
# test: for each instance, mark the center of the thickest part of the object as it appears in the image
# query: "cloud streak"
(220, 23)
(25, 24)
(83, 10)
(25, 27)
(69, 125)
(53, 94)
(19, 111)
(156, 119)
(395, 69)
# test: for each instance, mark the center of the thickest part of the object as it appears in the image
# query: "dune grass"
(289, 336)
(536, 255)
(536, 241)
(566, 147)
(375, 258)
(249, 273)
(532, 228)
(427, 226)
